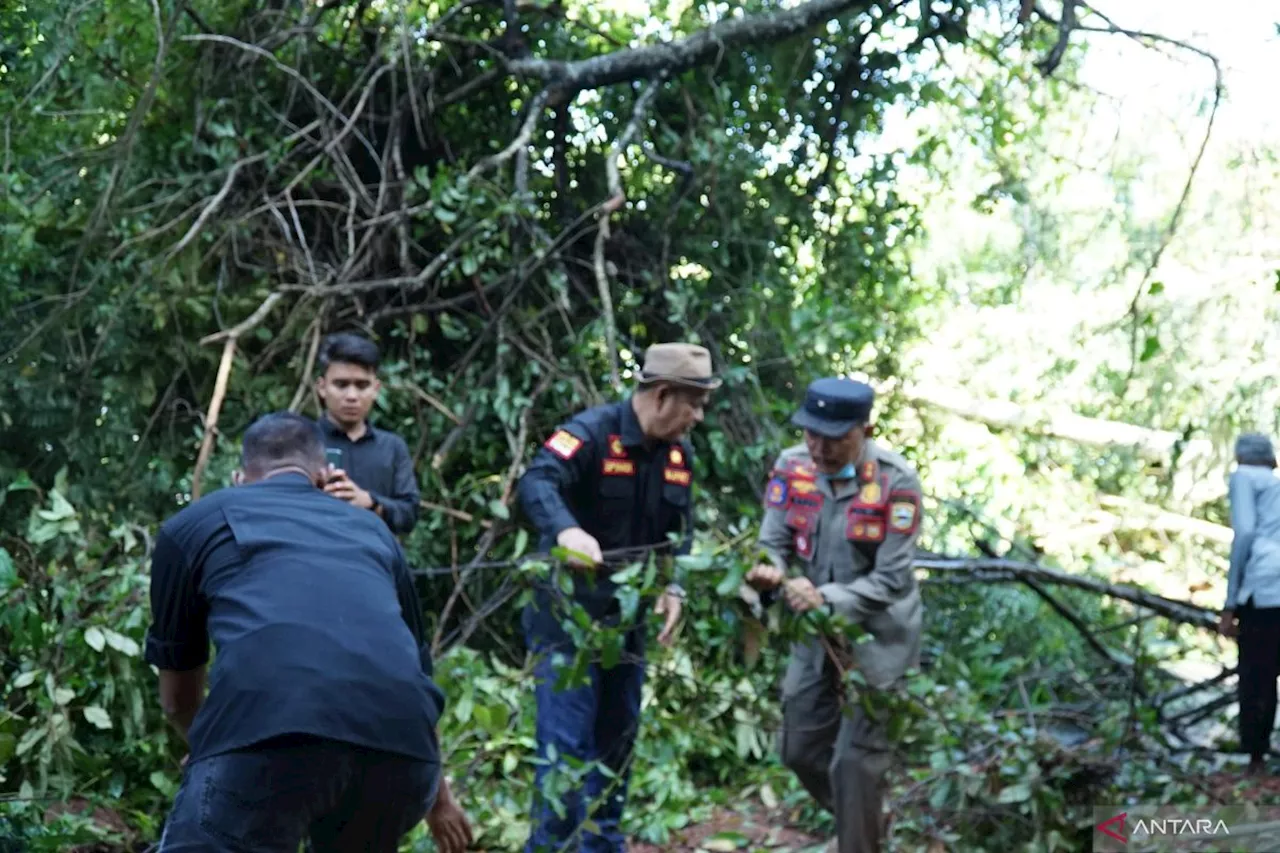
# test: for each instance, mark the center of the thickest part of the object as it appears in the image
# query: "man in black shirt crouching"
(321, 716)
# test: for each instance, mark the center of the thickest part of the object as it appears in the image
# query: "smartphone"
(334, 455)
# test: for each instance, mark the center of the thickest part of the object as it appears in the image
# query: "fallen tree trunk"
(1140, 516)
(998, 571)
(1195, 460)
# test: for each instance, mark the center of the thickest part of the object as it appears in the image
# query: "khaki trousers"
(841, 758)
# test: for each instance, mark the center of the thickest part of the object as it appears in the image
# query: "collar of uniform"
(286, 480)
(370, 432)
(632, 434)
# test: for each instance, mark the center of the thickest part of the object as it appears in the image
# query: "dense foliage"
(514, 200)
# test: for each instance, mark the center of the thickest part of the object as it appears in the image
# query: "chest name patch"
(677, 476)
(618, 468)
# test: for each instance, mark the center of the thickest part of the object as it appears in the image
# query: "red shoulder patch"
(563, 444)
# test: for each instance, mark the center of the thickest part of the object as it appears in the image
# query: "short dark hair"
(349, 349)
(281, 438)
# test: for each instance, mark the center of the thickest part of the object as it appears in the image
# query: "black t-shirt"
(312, 610)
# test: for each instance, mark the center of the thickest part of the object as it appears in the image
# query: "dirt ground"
(751, 829)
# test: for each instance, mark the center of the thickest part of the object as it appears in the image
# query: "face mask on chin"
(848, 472)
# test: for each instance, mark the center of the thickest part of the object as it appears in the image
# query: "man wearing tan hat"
(613, 477)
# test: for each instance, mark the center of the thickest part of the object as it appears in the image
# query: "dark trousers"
(596, 722)
(272, 796)
(1259, 667)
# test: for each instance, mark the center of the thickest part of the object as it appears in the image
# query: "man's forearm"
(181, 695)
(182, 718)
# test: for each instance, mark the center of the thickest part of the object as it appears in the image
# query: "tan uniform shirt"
(857, 546)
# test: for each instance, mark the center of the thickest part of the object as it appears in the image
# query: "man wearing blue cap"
(846, 513)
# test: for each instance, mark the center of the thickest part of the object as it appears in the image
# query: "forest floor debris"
(749, 828)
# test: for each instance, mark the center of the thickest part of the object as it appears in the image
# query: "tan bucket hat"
(682, 364)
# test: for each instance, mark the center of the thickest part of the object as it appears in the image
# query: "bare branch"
(522, 139)
(247, 324)
(682, 54)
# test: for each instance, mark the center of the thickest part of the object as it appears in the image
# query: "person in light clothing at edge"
(846, 512)
(1252, 611)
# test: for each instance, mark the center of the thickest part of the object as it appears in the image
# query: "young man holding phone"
(372, 468)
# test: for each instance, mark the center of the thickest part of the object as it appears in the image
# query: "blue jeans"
(596, 722)
(269, 797)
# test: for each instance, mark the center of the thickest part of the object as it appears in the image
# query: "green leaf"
(98, 717)
(8, 574)
(725, 842)
(629, 598)
(29, 739)
(1150, 348)
(610, 649)
(95, 639)
(26, 679)
(121, 643)
(162, 783)
(1156, 288)
(567, 554)
(8, 743)
(499, 510)
(522, 542)
(1015, 794)
(21, 483)
(463, 709)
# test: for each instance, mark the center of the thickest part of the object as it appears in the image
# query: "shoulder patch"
(776, 493)
(904, 512)
(563, 444)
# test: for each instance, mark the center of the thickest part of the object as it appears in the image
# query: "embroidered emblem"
(864, 524)
(803, 470)
(563, 444)
(678, 476)
(870, 493)
(801, 519)
(616, 449)
(804, 545)
(904, 512)
(676, 457)
(868, 471)
(618, 468)
(775, 495)
(804, 493)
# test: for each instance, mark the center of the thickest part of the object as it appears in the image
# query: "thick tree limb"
(680, 55)
(995, 570)
(1197, 456)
